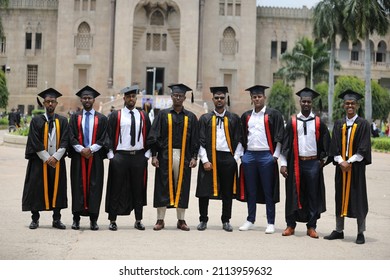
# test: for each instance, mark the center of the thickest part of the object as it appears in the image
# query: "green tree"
(3, 91)
(321, 102)
(298, 62)
(362, 18)
(328, 23)
(380, 98)
(281, 98)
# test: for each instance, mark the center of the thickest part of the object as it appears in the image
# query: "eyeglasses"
(178, 96)
(50, 102)
(219, 97)
(353, 103)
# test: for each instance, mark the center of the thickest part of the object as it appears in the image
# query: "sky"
(288, 3)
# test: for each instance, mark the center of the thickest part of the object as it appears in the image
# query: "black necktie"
(219, 121)
(132, 129)
(304, 124)
(50, 123)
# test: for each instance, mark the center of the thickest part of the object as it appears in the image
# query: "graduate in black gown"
(174, 141)
(45, 186)
(304, 152)
(128, 154)
(351, 152)
(220, 136)
(87, 150)
(259, 175)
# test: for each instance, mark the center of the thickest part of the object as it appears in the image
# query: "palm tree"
(306, 58)
(362, 18)
(328, 23)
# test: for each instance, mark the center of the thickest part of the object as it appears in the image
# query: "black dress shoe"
(335, 235)
(113, 226)
(139, 225)
(76, 225)
(94, 225)
(58, 224)
(34, 225)
(202, 226)
(227, 227)
(360, 239)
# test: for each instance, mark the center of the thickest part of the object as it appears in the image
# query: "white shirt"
(95, 147)
(257, 138)
(221, 143)
(355, 157)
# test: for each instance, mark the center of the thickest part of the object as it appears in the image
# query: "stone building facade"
(153, 43)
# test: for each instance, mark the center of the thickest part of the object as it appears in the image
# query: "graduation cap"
(48, 92)
(87, 90)
(350, 95)
(307, 92)
(257, 89)
(131, 89)
(221, 89)
(181, 88)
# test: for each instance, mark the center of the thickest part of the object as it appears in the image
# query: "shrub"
(381, 144)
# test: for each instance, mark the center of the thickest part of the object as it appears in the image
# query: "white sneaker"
(246, 226)
(270, 229)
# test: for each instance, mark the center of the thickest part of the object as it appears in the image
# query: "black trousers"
(56, 215)
(226, 169)
(128, 180)
(92, 216)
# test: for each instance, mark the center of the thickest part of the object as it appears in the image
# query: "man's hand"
(155, 162)
(86, 152)
(193, 163)
(52, 161)
(283, 171)
(345, 166)
(207, 166)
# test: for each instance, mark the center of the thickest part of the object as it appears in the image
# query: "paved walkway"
(17, 242)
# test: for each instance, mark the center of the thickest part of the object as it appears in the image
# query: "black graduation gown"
(205, 179)
(358, 202)
(291, 207)
(276, 126)
(87, 198)
(125, 205)
(158, 140)
(33, 193)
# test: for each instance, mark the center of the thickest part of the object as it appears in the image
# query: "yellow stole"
(214, 151)
(346, 175)
(172, 201)
(57, 174)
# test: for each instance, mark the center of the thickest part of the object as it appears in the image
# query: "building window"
(148, 41)
(156, 42)
(2, 45)
(222, 7)
(164, 42)
(38, 41)
(157, 18)
(28, 41)
(93, 5)
(32, 76)
(238, 9)
(83, 40)
(85, 5)
(229, 11)
(229, 43)
(274, 49)
(77, 5)
(356, 47)
(283, 47)
(82, 78)
(381, 54)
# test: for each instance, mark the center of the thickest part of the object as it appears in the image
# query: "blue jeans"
(259, 171)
